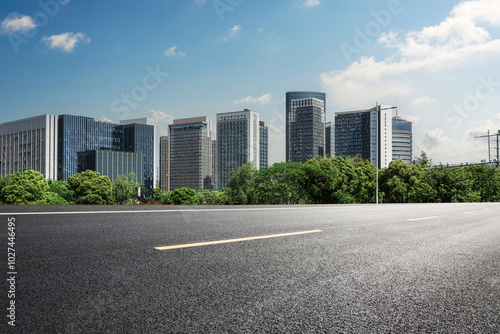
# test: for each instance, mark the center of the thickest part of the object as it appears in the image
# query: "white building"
(29, 143)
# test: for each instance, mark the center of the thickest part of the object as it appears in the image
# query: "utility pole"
(489, 145)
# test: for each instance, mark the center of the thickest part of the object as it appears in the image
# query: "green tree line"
(318, 181)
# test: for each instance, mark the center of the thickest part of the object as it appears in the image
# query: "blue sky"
(113, 60)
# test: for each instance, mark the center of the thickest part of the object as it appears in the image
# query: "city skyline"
(435, 61)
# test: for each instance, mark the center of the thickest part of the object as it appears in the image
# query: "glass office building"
(191, 153)
(164, 163)
(307, 129)
(402, 143)
(298, 95)
(79, 134)
(112, 163)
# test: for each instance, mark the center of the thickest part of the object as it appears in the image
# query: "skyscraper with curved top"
(305, 125)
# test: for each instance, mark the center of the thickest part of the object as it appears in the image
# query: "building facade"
(164, 163)
(307, 129)
(402, 140)
(29, 143)
(191, 153)
(237, 143)
(112, 163)
(365, 133)
(264, 145)
(297, 95)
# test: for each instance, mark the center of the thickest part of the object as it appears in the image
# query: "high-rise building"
(402, 141)
(29, 143)
(214, 164)
(139, 135)
(307, 129)
(356, 134)
(328, 140)
(164, 163)
(264, 145)
(237, 143)
(79, 134)
(191, 153)
(290, 117)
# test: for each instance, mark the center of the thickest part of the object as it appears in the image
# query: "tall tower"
(365, 133)
(307, 129)
(191, 153)
(237, 143)
(164, 163)
(264, 145)
(402, 141)
(298, 95)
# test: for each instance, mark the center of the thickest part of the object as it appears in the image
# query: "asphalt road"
(430, 268)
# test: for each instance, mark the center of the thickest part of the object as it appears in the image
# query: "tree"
(452, 185)
(292, 183)
(29, 187)
(124, 189)
(423, 160)
(183, 196)
(241, 184)
(60, 188)
(90, 188)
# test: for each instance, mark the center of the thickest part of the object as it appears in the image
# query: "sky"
(437, 61)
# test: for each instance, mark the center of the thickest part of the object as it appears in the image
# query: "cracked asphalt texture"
(371, 270)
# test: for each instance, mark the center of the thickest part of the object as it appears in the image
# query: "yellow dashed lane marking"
(198, 244)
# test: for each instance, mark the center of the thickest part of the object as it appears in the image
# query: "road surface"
(422, 268)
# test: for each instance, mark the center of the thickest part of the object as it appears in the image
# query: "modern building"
(306, 129)
(112, 163)
(328, 140)
(214, 164)
(139, 135)
(79, 134)
(191, 153)
(164, 163)
(402, 140)
(237, 143)
(356, 134)
(264, 145)
(290, 117)
(29, 143)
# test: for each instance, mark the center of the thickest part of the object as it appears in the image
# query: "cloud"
(423, 101)
(161, 120)
(230, 34)
(200, 2)
(264, 99)
(15, 23)
(173, 52)
(311, 3)
(458, 40)
(104, 119)
(66, 42)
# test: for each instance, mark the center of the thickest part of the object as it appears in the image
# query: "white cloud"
(264, 99)
(161, 120)
(15, 23)
(423, 101)
(104, 119)
(230, 34)
(172, 52)
(66, 42)
(311, 3)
